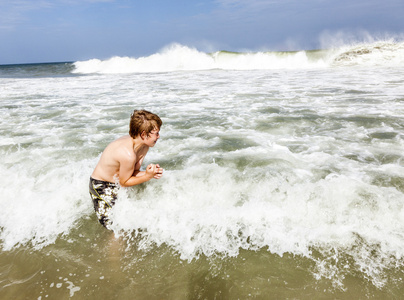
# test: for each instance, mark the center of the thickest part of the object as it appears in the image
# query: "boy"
(120, 163)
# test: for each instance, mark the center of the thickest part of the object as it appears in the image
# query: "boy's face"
(152, 137)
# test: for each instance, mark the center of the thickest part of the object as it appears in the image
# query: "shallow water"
(279, 183)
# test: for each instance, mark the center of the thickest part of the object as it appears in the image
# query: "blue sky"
(69, 30)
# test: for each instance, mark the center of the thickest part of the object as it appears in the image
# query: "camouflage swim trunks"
(104, 194)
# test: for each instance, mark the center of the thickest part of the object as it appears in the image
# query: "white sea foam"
(40, 204)
(215, 213)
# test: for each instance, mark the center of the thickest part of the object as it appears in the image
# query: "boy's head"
(142, 120)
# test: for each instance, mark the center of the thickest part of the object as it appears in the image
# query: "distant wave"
(182, 58)
(55, 69)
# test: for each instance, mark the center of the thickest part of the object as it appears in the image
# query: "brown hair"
(142, 120)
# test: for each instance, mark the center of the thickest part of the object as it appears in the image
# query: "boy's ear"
(143, 135)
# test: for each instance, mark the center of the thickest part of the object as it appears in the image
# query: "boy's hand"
(159, 172)
(154, 171)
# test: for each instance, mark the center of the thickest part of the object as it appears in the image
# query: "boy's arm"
(127, 175)
(130, 177)
(137, 172)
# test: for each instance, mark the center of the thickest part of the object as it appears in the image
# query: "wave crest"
(178, 57)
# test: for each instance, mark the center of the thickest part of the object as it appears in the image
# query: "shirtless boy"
(120, 163)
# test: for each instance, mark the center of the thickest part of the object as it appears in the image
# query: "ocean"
(283, 176)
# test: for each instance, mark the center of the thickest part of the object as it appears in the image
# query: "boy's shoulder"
(122, 148)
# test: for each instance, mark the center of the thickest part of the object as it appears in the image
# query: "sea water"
(283, 176)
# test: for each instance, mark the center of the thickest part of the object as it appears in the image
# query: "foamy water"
(296, 153)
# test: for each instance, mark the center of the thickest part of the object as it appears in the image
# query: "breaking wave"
(178, 57)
